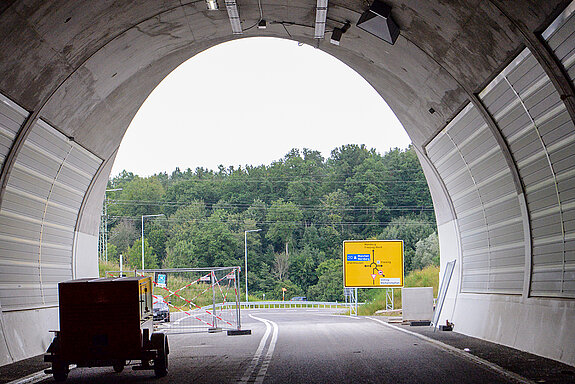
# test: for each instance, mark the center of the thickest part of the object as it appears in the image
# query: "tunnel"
(484, 89)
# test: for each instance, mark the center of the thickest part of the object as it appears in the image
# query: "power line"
(319, 208)
(270, 222)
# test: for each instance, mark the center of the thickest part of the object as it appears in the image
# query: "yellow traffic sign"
(372, 263)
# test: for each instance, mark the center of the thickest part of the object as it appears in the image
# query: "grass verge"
(426, 277)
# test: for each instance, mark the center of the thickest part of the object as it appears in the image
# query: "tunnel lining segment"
(535, 123)
(38, 215)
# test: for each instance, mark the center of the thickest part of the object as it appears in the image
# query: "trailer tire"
(119, 366)
(60, 368)
(60, 371)
(160, 343)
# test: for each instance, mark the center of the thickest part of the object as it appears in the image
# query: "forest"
(304, 205)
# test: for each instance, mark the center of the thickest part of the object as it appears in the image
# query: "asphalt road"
(303, 346)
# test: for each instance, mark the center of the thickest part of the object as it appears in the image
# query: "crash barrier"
(193, 299)
(292, 304)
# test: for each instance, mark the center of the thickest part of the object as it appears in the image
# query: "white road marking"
(458, 352)
(251, 368)
(31, 379)
(35, 377)
(265, 364)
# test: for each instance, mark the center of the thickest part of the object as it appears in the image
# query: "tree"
(285, 218)
(410, 229)
(123, 235)
(140, 196)
(303, 265)
(133, 256)
(180, 255)
(281, 266)
(303, 200)
(426, 252)
(330, 282)
(112, 253)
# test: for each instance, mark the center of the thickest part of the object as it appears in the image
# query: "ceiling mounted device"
(320, 18)
(234, 16)
(262, 24)
(377, 20)
(212, 5)
(338, 33)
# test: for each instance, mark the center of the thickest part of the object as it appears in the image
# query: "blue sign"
(359, 257)
(161, 279)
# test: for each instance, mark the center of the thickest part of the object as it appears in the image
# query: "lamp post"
(246, 254)
(161, 214)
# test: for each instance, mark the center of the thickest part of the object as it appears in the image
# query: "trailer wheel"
(119, 366)
(60, 371)
(60, 368)
(160, 343)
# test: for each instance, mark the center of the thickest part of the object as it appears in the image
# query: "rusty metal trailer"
(107, 322)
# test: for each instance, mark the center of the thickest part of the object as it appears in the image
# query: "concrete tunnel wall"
(484, 89)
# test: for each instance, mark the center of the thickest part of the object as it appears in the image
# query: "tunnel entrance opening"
(485, 90)
(353, 192)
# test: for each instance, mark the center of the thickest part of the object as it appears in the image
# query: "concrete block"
(417, 303)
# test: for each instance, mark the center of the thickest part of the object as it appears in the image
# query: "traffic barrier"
(193, 299)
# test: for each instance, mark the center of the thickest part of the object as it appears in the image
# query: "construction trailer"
(107, 322)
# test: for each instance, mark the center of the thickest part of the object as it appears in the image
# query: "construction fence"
(193, 299)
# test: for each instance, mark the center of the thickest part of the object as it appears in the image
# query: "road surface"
(304, 346)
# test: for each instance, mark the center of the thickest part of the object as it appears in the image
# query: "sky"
(249, 102)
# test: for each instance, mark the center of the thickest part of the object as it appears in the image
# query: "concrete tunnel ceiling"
(483, 88)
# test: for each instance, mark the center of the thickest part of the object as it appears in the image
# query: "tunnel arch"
(483, 88)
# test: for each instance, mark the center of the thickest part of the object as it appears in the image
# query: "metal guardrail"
(292, 304)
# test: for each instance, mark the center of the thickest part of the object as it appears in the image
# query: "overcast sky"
(250, 101)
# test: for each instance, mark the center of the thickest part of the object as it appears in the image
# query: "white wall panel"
(536, 125)
(38, 216)
(470, 162)
(12, 117)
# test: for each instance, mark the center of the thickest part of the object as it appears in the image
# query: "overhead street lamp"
(161, 214)
(246, 254)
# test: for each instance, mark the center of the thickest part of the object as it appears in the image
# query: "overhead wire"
(218, 205)
(270, 222)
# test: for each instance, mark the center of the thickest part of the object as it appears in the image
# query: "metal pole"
(238, 317)
(142, 242)
(214, 319)
(355, 301)
(246, 262)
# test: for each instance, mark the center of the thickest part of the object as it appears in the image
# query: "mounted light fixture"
(338, 33)
(320, 18)
(234, 16)
(262, 24)
(212, 5)
(377, 21)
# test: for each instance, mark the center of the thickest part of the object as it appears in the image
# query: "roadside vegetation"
(304, 205)
(426, 277)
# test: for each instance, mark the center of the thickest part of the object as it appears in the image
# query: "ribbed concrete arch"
(484, 89)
